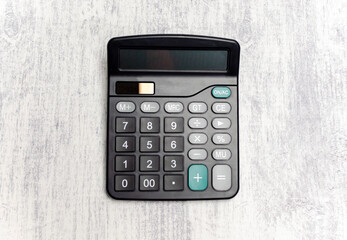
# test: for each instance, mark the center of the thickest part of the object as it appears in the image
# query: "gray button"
(197, 107)
(221, 123)
(221, 154)
(221, 107)
(199, 123)
(173, 107)
(149, 107)
(126, 107)
(221, 177)
(197, 154)
(197, 138)
(221, 138)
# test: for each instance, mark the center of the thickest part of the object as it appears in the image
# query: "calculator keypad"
(181, 146)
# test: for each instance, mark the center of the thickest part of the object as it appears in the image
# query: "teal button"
(221, 92)
(197, 177)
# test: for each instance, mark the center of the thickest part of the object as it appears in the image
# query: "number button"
(173, 163)
(149, 182)
(150, 125)
(197, 177)
(125, 144)
(198, 123)
(149, 144)
(221, 107)
(174, 144)
(124, 183)
(173, 183)
(149, 163)
(125, 163)
(125, 107)
(221, 138)
(197, 107)
(174, 125)
(125, 125)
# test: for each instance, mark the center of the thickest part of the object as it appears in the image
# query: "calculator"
(172, 123)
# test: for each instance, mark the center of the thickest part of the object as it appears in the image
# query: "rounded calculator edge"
(109, 42)
(171, 199)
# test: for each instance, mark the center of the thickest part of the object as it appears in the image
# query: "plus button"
(197, 177)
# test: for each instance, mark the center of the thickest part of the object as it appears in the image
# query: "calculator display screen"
(173, 60)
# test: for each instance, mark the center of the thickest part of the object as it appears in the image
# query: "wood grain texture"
(293, 115)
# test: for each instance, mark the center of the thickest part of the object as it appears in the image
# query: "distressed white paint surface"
(293, 113)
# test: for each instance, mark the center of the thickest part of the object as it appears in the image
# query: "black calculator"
(172, 130)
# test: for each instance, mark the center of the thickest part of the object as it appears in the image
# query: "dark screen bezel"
(172, 42)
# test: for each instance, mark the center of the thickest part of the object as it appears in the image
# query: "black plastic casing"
(178, 86)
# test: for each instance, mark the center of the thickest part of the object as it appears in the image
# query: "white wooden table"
(293, 114)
